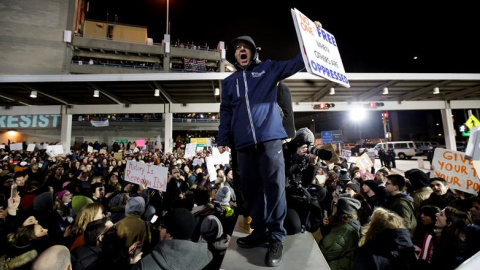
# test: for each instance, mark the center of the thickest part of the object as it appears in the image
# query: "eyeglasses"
(246, 47)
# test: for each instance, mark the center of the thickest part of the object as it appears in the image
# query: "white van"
(403, 149)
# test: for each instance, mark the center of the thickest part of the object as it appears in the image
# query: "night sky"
(373, 37)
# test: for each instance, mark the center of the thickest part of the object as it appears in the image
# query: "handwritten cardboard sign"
(364, 162)
(454, 167)
(190, 150)
(319, 50)
(154, 175)
(31, 147)
(16, 147)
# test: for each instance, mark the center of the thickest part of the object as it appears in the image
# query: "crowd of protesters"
(78, 209)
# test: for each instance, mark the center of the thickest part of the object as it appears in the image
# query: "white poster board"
(31, 147)
(346, 154)
(2, 146)
(16, 147)
(223, 158)
(90, 149)
(190, 150)
(319, 50)
(211, 168)
(364, 163)
(54, 150)
(454, 167)
(154, 175)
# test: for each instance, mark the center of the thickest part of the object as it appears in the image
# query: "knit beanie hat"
(180, 223)
(347, 205)
(43, 202)
(418, 178)
(354, 186)
(372, 184)
(303, 136)
(78, 201)
(211, 228)
(223, 195)
(135, 205)
(59, 195)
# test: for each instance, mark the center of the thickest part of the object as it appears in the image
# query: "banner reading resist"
(456, 169)
(154, 175)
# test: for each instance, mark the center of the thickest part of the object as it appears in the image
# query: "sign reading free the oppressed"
(319, 50)
(454, 167)
(155, 176)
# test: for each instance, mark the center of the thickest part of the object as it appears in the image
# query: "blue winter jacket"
(249, 107)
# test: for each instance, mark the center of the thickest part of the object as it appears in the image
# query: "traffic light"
(323, 106)
(385, 115)
(374, 105)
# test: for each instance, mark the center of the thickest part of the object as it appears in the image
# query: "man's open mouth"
(243, 56)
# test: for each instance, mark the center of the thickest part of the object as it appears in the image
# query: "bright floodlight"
(358, 114)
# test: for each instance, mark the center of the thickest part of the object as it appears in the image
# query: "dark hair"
(94, 187)
(93, 231)
(397, 180)
(452, 235)
(439, 179)
(201, 195)
(383, 171)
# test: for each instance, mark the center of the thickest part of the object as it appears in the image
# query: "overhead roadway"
(195, 92)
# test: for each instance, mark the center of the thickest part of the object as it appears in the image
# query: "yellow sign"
(472, 121)
(200, 141)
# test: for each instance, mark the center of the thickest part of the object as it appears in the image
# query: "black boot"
(250, 241)
(274, 254)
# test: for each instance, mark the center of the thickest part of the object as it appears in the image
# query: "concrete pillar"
(168, 118)
(448, 129)
(66, 131)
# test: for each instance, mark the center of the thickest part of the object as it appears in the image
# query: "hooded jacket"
(170, 254)
(249, 101)
(391, 249)
(402, 204)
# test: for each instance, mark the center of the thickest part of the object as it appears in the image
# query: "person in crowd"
(24, 245)
(88, 213)
(54, 257)
(211, 232)
(176, 189)
(381, 156)
(369, 188)
(133, 228)
(447, 249)
(420, 185)
(385, 244)
(259, 148)
(63, 206)
(175, 244)
(340, 245)
(94, 253)
(55, 181)
(399, 202)
(424, 235)
(430, 152)
(441, 196)
(391, 154)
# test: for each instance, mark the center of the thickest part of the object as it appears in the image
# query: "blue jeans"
(262, 172)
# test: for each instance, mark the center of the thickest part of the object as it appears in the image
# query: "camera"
(320, 153)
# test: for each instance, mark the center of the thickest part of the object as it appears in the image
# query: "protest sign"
(364, 163)
(346, 154)
(16, 147)
(154, 175)
(190, 150)
(54, 150)
(212, 172)
(319, 50)
(2, 146)
(223, 158)
(454, 167)
(103, 151)
(140, 143)
(90, 149)
(197, 161)
(31, 147)
(117, 156)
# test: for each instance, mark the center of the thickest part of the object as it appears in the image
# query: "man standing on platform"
(249, 113)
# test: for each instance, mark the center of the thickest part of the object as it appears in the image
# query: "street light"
(168, 7)
(357, 114)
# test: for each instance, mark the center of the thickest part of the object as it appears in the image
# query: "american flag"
(194, 64)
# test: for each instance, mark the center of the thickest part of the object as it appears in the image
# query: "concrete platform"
(300, 251)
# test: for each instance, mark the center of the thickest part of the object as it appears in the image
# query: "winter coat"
(176, 254)
(339, 247)
(131, 229)
(441, 201)
(249, 103)
(87, 257)
(402, 204)
(391, 249)
(419, 196)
